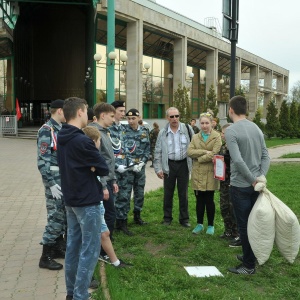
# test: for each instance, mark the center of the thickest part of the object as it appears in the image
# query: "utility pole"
(110, 66)
(230, 32)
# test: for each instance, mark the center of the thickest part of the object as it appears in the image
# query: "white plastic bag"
(261, 227)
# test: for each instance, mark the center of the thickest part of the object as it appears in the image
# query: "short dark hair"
(193, 120)
(71, 106)
(102, 107)
(239, 105)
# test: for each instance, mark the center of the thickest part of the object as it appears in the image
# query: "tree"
(294, 118)
(295, 91)
(284, 119)
(181, 101)
(257, 120)
(240, 91)
(272, 125)
(211, 101)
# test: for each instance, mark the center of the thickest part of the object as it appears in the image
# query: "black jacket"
(76, 154)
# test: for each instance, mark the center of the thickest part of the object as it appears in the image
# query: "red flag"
(18, 110)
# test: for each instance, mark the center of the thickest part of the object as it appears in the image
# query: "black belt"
(177, 161)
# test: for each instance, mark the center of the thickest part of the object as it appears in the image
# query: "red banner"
(18, 110)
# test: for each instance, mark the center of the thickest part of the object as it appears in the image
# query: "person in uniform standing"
(137, 151)
(117, 136)
(52, 240)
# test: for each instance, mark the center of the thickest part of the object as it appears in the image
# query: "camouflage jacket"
(225, 152)
(117, 135)
(136, 144)
(46, 150)
(153, 137)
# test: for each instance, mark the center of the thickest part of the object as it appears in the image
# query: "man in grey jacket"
(105, 116)
(249, 160)
(173, 166)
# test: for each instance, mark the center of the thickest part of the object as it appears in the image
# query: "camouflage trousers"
(56, 214)
(130, 181)
(226, 209)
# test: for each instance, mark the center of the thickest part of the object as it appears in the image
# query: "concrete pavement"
(22, 221)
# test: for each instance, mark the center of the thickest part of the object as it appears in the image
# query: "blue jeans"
(243, 200)
(83, 248)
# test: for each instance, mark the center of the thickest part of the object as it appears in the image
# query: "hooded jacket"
(76, 155)
(106, 150)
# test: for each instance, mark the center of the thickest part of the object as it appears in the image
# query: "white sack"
(287, 229)
(261, 227)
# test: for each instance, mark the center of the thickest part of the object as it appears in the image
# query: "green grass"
(160, 253)
(274, 142)
(291, 155)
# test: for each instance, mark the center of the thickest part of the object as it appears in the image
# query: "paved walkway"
(22, 221)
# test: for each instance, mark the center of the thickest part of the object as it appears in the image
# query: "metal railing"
(8, 125)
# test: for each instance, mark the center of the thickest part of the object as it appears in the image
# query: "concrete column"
(134, 63)
(268, 87)
(180, 61)
(279, 85)
(268, 80)
(212, 70)
(254, 75)
(238, 72)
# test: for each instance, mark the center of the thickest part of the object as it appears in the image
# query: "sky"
(267, 28)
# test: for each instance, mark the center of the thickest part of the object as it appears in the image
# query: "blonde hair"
(92, 132)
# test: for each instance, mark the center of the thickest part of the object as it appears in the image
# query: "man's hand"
(160, 174)
(105, 194)
(121, 169)
(56, 191)
(115, 188)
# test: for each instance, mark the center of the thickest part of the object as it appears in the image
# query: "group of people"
(89, 171)
(181, 149)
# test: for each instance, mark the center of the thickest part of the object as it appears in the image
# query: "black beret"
(133, 113)
(57, 103)
(118, 103)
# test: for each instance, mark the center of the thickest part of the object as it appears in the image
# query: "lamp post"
(110, 49)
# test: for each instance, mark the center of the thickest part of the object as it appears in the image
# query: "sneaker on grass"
(241, 269)
(236, 242)
(198, 229)
(104, 258)
(210, 230)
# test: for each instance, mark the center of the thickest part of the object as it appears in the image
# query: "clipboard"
(219, 167)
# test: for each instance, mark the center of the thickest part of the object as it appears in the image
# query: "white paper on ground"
(204, 271)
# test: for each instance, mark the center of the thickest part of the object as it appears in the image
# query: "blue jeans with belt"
(83, 247)
(243, 200)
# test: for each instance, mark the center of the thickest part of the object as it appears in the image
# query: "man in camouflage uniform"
(117, 135)
(226, 207)
(52, 241)
(136, 147)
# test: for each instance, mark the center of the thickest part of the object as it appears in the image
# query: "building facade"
(147, 52)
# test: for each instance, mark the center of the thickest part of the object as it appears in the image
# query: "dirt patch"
(154, 249)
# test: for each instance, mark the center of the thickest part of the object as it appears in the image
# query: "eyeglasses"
(205, 114)
(174, 116)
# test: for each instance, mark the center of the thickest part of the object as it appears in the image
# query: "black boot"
(47, 261)
(58, 250)
(61, 240)
(137, 218)
(122, 225)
